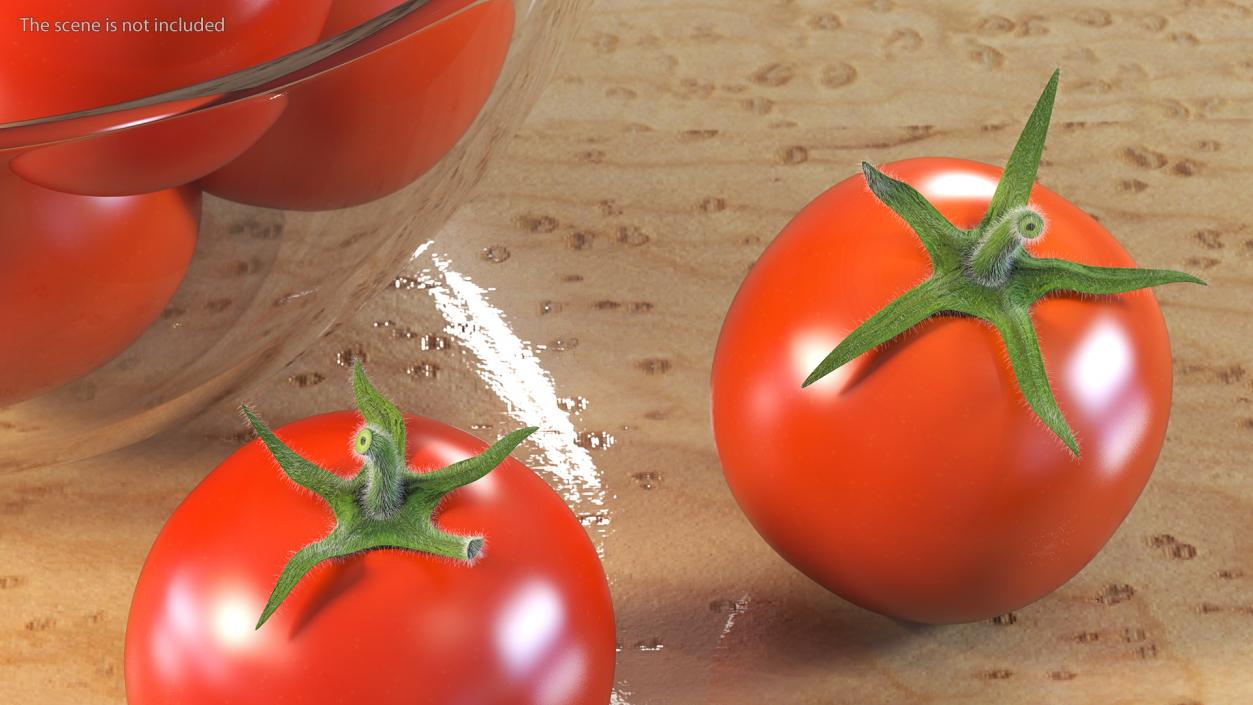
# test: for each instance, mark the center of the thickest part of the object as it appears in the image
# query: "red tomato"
(914, 480)
(81, 278)
(529, 621)
(362, 131)
(52, 72)
(172, 150)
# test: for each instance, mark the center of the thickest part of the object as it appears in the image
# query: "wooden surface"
(678, 138)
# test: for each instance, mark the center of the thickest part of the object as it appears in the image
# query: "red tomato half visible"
(81, 277)
(529, 621)
(915, 481)
(364, 130)
(172, 150)
(53, 72)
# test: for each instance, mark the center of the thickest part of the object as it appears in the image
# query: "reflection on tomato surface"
(369, 128)
(915, 480)
(55, 72)
(82, 277)
(171, 149)
(48, 73)
(529, 621)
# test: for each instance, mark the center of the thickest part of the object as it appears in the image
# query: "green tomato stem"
(993, 259)
(385, 505)
(988, 274)
(384, 467)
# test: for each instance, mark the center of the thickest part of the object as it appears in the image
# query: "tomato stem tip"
(991, 261)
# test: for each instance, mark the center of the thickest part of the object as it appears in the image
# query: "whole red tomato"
(916, 479)
(81, 277)
(522, 615)
(364, 130)
(67, 68)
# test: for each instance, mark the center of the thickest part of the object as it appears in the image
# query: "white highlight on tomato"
(1100, 367)
(959, 185)
(183, 609)
(227, 612)
(1101, 375)
(234, 620)
(812, 348)
(529, 628)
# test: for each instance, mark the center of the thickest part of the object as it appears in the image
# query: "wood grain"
(678, 138)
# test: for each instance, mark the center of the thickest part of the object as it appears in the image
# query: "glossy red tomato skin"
(81, 278)
(915, 481)
(54, 73)
(529, 622)
(51, 73)
(165, 153)
(367, 129)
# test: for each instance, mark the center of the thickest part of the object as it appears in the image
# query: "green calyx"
(384, 505)
(988, 274)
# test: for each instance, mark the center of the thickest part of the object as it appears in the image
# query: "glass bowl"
(159, 255)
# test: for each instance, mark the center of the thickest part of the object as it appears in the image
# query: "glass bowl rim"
(253, 82)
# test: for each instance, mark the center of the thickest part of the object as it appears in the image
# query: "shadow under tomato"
(805, 640)
(696, 642)
(805, 629)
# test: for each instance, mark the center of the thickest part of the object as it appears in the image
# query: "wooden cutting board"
(677, 139)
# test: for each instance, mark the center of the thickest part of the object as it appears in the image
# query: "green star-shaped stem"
(987, 273)
(385, 505)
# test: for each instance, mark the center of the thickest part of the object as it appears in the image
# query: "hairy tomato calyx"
(991, 260)
(385, 505)
(987, 273)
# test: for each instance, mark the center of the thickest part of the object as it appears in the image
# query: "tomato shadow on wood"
(805, 628)
(804, 638)
(731, 644)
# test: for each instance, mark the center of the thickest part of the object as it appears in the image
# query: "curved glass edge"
(277, 74)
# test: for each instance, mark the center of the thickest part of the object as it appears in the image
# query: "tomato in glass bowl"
(262, 283)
